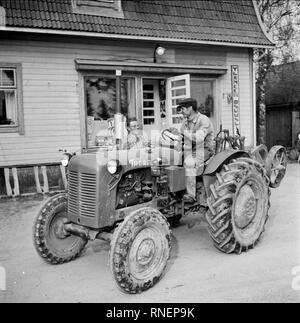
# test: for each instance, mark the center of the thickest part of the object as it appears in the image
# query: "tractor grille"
(82, 194)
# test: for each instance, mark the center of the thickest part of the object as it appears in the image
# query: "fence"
(21, 180)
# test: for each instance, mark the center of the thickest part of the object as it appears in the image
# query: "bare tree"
(280, 18)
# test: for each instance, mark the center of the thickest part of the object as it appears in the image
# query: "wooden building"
(58, 62)
(283, 104)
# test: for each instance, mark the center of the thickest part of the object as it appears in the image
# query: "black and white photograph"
(150, 154)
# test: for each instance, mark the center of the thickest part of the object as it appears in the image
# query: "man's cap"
(187, 103)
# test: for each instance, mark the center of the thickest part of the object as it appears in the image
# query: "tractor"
(132, 204)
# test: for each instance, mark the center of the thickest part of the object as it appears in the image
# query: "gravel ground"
(197, 272)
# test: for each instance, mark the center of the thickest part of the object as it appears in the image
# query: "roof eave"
(261, 24)
(128, 37)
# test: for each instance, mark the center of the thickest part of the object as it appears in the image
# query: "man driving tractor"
(198, 134)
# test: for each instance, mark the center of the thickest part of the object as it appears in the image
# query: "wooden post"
(7, 182)
(37, 180)
(45, 179)
(16, 182)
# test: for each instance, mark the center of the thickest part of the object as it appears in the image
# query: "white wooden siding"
(241, 58)
(52, 92)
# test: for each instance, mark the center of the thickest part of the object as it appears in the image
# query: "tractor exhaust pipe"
(118, 116)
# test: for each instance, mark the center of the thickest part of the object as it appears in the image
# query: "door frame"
(157, 123)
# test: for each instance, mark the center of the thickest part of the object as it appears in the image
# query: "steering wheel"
(172, 138)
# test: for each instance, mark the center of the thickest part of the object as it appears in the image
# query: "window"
(10, 106)
(101, 105)
(96, 3)
(148, 104)
(203, 92)
(108, 8)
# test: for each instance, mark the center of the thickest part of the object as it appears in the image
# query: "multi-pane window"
(203, 92)
(178, 88)
(148, 104)
(101, 104)
(179, 91)
(8, 97)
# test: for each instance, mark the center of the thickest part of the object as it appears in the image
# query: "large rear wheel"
(140, 250)
(238, 206)
(51, 241)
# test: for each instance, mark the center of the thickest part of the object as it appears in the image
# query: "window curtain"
(10, 101)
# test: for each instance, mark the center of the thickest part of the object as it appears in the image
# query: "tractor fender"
(221, 158)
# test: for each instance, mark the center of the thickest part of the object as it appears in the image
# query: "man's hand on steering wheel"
(174, 131)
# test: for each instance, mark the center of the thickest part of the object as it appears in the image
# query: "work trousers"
(192, 163)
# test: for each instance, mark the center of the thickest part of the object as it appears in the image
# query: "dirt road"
(197, 272)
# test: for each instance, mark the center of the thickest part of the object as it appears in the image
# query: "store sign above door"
(235, 99)
(100, 65)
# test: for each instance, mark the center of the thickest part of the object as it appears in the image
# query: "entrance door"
(178, 88)
(279, 127)
(151, 106)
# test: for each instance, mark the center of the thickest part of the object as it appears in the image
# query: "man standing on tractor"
(198, 134)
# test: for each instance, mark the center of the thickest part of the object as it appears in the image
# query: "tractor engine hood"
(85, 163)
(90, 199)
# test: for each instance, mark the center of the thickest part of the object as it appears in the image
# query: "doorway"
(160, 100)
(279, 127)
(151, 106)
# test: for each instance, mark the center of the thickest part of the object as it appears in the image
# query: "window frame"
(216, 115)
(83, 76)
(15, 78)
(19, 128)
(106, 8)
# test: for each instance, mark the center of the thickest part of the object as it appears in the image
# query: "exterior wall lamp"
(160, 51)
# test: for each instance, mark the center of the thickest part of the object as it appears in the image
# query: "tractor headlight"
(157, 161)
(65, 160)
(112, 166)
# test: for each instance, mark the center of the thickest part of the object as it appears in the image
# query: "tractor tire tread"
(120, 245)
(220, 201)
(39, 237)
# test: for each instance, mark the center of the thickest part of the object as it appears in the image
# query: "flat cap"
(187, 103)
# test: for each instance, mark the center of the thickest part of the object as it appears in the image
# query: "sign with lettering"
(235, 98)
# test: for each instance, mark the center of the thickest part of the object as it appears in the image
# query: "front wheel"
(140, 250)
(51, 242)
(238, 206)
